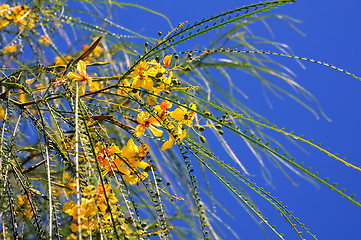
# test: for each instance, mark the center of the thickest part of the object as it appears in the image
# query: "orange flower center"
(146, 123)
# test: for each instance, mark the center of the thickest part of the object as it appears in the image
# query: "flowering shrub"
(110, 139)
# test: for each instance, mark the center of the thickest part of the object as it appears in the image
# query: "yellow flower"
(140, 77)
(157, 71)
(82, 75)
(183, 115)
(131, 159)
(45, 40)
(93, 86)
(162, 109)
(24, 206)
(60, 61)
(2, 113)
(20, 16)
(164, 105)
(108, 158)
(135, 177)
(101, 200)
(133, 151)
(87, 214)
(10, 49)
(144, 121)
(5, 14)
(166, 60)
(99, 196)
(134, 156)
(72, 236)
(5, 11)
(168, 144)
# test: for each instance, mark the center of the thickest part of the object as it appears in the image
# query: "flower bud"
(159, 75)
(199, 128)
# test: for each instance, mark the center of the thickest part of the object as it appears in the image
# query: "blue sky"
(332, 36)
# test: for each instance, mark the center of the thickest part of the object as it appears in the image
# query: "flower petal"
(139, 131)
(168, 144)
(132, 179)
(157, 132)
(142, 164)
(178, 114)
(166, 60)
(73, 75)
(141, 117)
(68, 207)
(81, 67)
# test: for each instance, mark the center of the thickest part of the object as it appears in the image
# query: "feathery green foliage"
(111, 140)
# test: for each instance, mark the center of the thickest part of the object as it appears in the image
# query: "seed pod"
(199, 128)
(218, 126)
(220, 132)
(207, 114)
(203, 139)
(174, 81)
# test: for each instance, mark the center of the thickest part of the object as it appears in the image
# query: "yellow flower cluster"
(92, 203)
(45, 40)
(125, 161)
(19, 15)
(82, 76)
(24, 206)
(175, 121)
(60, 61)
(145, 73)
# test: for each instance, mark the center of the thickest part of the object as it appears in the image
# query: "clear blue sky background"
(333, 35)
